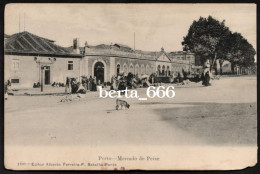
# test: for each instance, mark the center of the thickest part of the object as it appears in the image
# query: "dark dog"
(121, 103)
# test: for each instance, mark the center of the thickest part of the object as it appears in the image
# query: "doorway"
(47, 75)
(117, 69)
(99, 71)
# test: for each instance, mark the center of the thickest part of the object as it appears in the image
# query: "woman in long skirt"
(206, 79)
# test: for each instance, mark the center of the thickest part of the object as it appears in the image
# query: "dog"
(121, 103)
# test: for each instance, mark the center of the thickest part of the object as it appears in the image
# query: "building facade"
(26, 54)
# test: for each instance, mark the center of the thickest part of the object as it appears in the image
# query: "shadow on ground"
(216, 123)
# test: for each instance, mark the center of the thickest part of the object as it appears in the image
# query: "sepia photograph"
(130, 86)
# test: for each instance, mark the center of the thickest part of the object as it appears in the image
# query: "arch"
(99, 71)
(105, 68)
(147, 70)
(131, 68)
(125, 68)
(151, 69)
(159, 69)
(173, 68)
(168, 72)
(136, 69)
(142, 69)
(163, 70)
(118, 68)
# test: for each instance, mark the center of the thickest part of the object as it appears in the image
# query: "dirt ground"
(222, 114)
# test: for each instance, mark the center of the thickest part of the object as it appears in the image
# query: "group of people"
(130, 81)
(121, 81)
(118, 82)
(73, 85)
(57, 84)
(90, 83)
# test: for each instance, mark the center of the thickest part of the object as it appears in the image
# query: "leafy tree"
(210, 39)
(207, 38)
(240, 51)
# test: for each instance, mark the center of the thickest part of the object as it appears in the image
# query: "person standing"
(68, 85)
(94, 84)
(206, 73)
(90, 81)
(98, 82)
(84, 82)
(112, 83)
(181, 77)
(87, 83)
(6, 90)
(74, 87)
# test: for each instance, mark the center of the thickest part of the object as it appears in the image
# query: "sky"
(154, 25)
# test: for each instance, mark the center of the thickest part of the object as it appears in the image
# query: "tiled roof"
(26, 42)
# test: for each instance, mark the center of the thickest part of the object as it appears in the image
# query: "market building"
(104, 61)
(30, 59)
(25, 54)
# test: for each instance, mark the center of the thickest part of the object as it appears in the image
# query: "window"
(15, 80)
(168, 73)
(70, 65)
(125, 69)
(142, 70)
(136, 69)
(147, 69)
(151, 70)
(163, 70)
(132, 68)
(159, 70)
(15, 64)
(118, 68)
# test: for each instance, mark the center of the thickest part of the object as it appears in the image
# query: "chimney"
(162, 49)
(76, 46)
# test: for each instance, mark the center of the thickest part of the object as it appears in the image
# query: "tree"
(248, 53)
(223, 49)
(240, 51)
(207, 39)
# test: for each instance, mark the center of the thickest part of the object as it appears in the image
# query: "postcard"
(130, 86)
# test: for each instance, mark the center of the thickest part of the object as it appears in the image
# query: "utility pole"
(42, 67)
